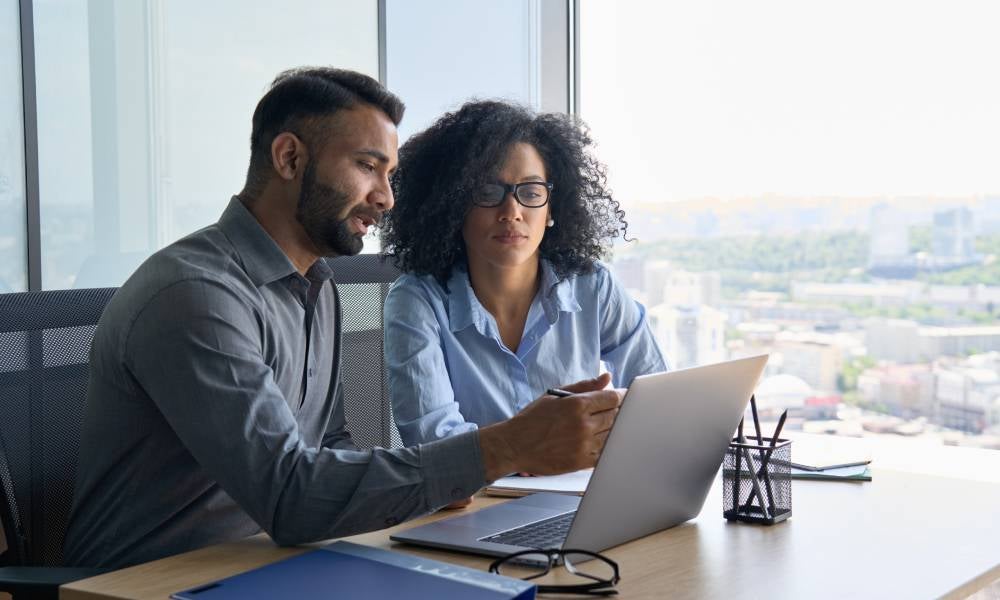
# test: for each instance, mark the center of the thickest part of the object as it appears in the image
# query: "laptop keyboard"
(549, 533)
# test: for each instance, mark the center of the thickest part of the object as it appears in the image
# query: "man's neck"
(276, 215)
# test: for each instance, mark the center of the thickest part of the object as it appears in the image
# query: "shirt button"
(458, 493)
(311, 371)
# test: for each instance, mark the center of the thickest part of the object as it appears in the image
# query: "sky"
(731, 98)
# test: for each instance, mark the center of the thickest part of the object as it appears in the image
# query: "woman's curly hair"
(441, 167)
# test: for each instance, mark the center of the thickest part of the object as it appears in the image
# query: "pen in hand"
(559, 393)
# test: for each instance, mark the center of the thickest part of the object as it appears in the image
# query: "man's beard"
(319, 210)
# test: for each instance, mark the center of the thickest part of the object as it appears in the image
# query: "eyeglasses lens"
(490, 194)
(587, 567)
(582, 568)
(528, 194)
(532, 194)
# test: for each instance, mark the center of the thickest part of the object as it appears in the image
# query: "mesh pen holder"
(757, 481)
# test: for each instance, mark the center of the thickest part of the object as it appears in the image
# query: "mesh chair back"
(44, 347)
(363, 282)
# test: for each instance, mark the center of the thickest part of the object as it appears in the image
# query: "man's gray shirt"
(213, 410)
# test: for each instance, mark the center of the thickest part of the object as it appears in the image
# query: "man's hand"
(458, 504)
(553, 435)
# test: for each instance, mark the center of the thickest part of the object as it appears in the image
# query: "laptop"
(658, 463)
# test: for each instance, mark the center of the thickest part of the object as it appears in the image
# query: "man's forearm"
(497, 453)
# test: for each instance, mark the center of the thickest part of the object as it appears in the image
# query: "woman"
(500, 217)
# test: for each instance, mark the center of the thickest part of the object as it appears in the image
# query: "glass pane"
(13, 242)
(441, 53)
(144, 115)
(817, 185)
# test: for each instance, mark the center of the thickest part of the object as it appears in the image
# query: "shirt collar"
(262, 258)
(556, 295)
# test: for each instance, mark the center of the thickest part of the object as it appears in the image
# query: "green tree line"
(840, 251)
(769, 262)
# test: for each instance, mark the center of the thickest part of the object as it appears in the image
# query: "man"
(213, 405)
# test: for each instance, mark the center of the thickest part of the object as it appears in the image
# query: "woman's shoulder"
(588, 289)
(415, 285)
(411, 280)
(414, 282)
(595, 275)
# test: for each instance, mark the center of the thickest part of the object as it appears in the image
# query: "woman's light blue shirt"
(449, 372)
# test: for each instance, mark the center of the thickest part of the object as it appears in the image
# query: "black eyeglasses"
(601, 570)
(532, 194)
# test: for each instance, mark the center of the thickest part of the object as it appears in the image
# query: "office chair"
(44, 346)
(363, 282)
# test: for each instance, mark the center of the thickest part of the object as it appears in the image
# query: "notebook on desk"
(819, 453)
(515, 486)
(852, 473)
(657, 466)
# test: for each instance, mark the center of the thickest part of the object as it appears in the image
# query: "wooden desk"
(902, 535)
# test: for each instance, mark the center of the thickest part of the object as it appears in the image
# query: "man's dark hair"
(298, 99)
(441, 167)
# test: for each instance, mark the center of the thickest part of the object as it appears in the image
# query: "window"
(143, 107)
(144, 115)
(818, 181)
(440, 54)
(13, 231)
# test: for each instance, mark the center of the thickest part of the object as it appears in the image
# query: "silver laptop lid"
(665, 448)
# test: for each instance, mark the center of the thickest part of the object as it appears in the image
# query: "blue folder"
(346, 570)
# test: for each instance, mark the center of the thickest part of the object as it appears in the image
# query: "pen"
(760, 443)
(753, 480)
(756, 421)
(777, 430)
(737, 477)
(774, 439)
(558, 392)
(767, 459)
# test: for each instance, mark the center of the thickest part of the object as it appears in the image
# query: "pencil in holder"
(757, 481)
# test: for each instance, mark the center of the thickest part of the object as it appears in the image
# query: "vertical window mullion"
(30, 116)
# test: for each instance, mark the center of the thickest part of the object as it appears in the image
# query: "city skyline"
(652, 220)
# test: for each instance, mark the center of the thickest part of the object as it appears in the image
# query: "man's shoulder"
(204, 261)
(206, 253)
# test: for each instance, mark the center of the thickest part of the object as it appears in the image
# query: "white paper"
(569, 483)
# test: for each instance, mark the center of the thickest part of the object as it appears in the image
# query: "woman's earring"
(550, 222)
